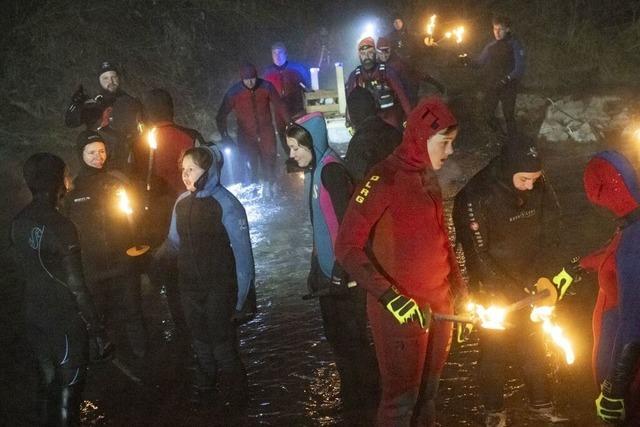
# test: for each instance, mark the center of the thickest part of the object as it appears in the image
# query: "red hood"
(610, 182)
(427, 119)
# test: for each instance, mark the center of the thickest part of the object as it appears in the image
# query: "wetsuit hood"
(427, 119)
(209, 182)
(316, 126)
(611, 182)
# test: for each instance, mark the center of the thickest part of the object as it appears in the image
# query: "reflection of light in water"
(323, 393)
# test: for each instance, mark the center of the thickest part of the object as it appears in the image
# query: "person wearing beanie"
(506, 218)
(329, 188)
(105, 234)
(383, 82)
(394, 243)
(61, 321)
(610, 182)
(120, 113)
(373, 140)
(251, 100)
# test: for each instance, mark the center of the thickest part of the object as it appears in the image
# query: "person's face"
(249, 83)
(383, 54)
(279, 56)
(524, 181)
(190, 173)
(500, 31)
(398, 24)
(367, 56)
(301, 154)
(95, 154)
(110, 81)
(440, 146)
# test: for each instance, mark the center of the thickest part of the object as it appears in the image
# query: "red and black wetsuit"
(256, 136)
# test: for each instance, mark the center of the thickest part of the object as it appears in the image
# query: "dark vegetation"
(193, 47)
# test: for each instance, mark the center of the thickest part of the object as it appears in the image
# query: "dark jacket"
(373, 141)
(46, 247)
(503, 231)
(252, 108)
(105, 231)
(502, 58)
(198, 237)
(234, 219)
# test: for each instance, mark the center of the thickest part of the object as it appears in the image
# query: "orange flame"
(431, 25)
(151, 139)
(492, 317)
(543, 314)
(123, 201)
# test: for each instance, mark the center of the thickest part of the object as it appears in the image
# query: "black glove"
(79, 96)
(339, 277)
(405, 309)
(100, 348)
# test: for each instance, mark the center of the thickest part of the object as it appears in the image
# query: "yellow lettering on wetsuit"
(364, 191)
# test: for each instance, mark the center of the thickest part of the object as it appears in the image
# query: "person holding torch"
(611, 182)
(106, 232)
(505, 217)
(393, 242)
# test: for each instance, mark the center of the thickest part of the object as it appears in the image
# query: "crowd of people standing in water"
(381, 260)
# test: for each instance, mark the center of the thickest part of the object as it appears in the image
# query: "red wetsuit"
(397, 214)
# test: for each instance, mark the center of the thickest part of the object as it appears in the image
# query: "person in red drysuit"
(393, 241)
(251, 99)
(611, 182)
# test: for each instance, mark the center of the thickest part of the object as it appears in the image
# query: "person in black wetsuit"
(61, 320)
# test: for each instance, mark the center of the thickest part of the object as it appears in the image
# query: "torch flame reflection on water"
(543, 314)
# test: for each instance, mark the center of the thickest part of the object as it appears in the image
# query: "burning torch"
(430, 27)
(125, 206)
(153, 146)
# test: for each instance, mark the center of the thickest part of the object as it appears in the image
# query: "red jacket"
(252, 108)
(173, 140)
(398, 212)
(286, 79)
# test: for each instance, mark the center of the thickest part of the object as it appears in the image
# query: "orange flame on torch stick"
(543, 314)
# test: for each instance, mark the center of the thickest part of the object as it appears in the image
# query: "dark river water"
(293, 380)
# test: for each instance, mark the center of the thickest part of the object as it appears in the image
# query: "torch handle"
(525, 302)
(453, 318)
(150, 168)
